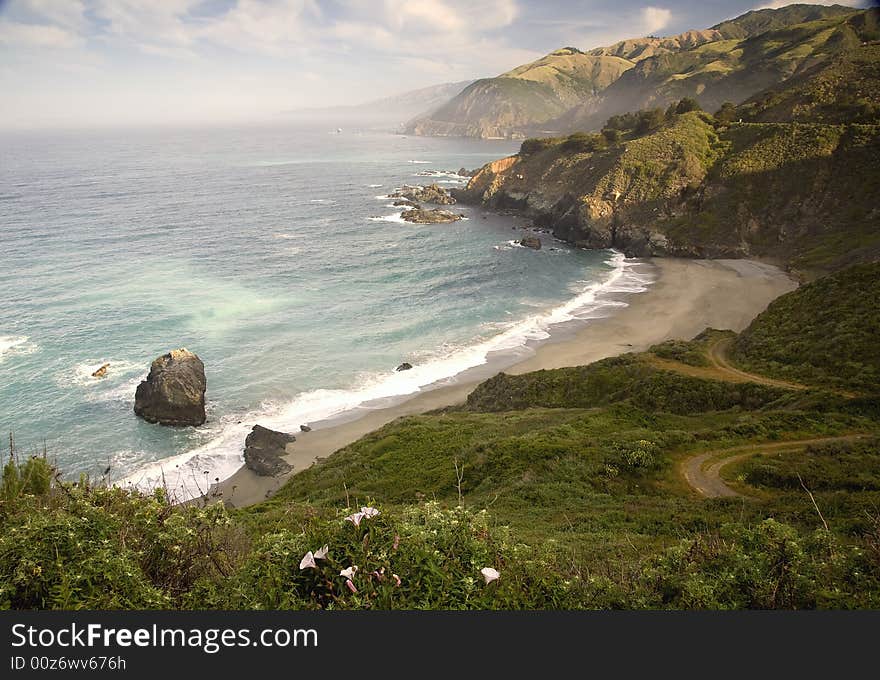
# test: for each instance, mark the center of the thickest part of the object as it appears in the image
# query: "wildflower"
(308, 561)
(349, 573)
(351, 586)
(490, 574)
(396, 542)
(322, 553)
(396, 579)
(355, 518)
(369, 512)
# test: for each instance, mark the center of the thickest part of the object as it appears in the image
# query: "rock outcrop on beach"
(173, 393)
(532, 242)
(405, 366)
(431, 193)
(419, 215)
(264, 451)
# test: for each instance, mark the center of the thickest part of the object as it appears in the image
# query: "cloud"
(15, 34)
(654, 20)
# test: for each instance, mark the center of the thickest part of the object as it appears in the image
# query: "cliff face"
(806, 195)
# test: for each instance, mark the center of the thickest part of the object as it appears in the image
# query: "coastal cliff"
(753, 181)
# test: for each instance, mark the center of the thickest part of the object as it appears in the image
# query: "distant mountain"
(572, 90)
(394, 110)
(523, 98)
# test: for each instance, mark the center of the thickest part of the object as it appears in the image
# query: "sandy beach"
(686, 297)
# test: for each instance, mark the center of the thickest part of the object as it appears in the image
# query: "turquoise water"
(270, 252)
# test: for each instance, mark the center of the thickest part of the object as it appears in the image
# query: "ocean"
(273, 253)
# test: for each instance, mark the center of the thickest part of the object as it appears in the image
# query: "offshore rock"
(173, 393)
(433, 216)
(432, 193)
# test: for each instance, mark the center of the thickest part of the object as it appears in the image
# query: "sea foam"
(12, 345)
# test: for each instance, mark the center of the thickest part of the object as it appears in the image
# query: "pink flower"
(369, 512)
(349, 573)
(355, 518)
(490, 574)
(396, 579)
(351, 586)
(308, 561)
(322, 553)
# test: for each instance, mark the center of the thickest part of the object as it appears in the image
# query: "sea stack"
(174, 391)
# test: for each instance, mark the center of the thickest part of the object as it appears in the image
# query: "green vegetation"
(567, 482)
(569, 90)
(826, 333)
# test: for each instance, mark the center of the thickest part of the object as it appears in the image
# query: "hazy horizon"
(101, 63)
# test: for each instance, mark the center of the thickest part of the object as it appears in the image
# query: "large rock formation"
(264, 451)
(431, 193)
(174, 391)
(435, 216)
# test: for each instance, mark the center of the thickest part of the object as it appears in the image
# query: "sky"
(75, 63)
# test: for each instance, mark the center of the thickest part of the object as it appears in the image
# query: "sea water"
(274, 253)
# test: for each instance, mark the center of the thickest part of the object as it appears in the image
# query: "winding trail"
(703, 470)
(716, 353)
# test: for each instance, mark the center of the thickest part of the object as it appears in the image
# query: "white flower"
(369, 512)
(355, 518)
(490, 574)
(307, 562)
(349, 573)
(322, 553)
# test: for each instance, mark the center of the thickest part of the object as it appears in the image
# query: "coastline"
(686, 297)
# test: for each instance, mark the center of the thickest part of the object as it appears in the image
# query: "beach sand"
(687, 297)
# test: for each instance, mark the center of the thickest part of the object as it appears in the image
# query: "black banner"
(232, 644)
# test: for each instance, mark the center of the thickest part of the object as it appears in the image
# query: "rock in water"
(531, 242)
(101, 372)
(432, 193)
(264, 450)
(305, 428)
(405, 366)
(174, 391)
(434, 216)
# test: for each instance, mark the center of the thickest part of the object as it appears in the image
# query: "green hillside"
(755, 180)
(528, 95)
(571, 90)
(824, 334)
(755, 52)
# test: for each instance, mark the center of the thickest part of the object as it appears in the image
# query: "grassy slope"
(731, 61)
(528, 95)
(826, 333)
(749, 57)
(588, 456)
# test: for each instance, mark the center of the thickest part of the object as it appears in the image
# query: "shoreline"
(686, 297)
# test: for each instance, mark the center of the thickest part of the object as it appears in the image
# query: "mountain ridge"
(728, 61)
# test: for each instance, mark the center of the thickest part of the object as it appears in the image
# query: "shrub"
(424, 557)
